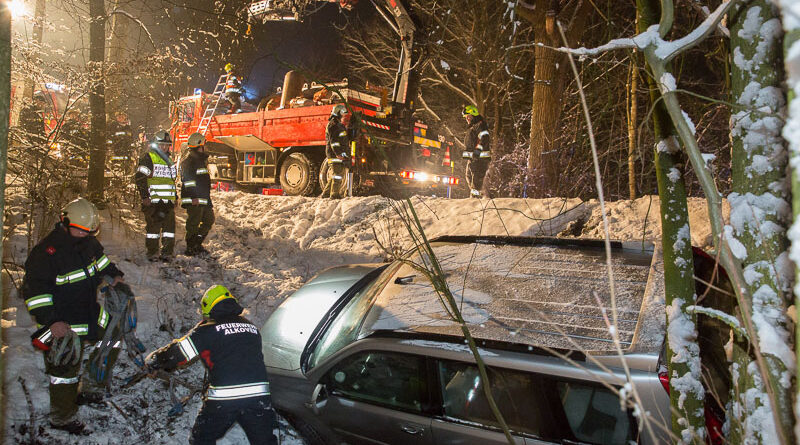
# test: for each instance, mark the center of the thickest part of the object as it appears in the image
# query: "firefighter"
(336, 146)
(76, 137)
(120, 140)
(477, 147)
(233, 90)
(238, 390)
(196, 195)
(155, 180)
(62, 274)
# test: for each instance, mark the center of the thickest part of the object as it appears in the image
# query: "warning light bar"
(422, 176)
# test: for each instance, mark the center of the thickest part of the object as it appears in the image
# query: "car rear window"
(536, 405)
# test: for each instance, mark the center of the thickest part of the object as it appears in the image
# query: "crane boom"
(392, 11)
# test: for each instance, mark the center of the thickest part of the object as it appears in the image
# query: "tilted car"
(370, 354)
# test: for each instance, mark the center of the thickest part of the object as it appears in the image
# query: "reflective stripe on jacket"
(61, 278)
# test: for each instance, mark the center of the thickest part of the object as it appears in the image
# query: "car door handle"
(413, 430)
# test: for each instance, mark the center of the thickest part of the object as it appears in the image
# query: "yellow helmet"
(196, 140)
(81, 214)
(228, 68)
(214, 295)
(471, 110)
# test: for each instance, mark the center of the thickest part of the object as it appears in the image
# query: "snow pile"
(264, 248)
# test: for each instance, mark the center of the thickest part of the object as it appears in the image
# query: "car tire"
(298, 175)
(308, 432)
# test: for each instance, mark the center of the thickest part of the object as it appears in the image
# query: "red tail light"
(663, 377)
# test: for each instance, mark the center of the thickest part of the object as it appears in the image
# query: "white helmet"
(196, 140)
(339, 110)
(81, 214)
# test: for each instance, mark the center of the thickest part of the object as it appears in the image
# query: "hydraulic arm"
(392, 11)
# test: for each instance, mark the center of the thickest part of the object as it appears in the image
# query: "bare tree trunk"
(116, 53)
(38, 26)
(759, 213)
(5, 107)
(683, 355)
(97, 103)
(632, 118)
(550, 68)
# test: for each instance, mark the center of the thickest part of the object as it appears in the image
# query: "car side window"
(382, 378)
(535, 405)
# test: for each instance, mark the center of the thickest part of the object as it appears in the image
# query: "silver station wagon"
(367, 354)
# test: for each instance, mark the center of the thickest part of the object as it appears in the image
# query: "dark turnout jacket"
(477, 140)
(196, 182)
(230, 348)
(337, 142)
(62, 274)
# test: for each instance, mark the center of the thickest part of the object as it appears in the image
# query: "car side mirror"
(319, 398)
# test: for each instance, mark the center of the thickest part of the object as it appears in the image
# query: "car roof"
(541, 292)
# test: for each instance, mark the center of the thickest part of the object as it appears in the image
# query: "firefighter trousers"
(476, 170)
(65, 381)
(257, 419)
(335, 185)
(160, 228)
(199, 220)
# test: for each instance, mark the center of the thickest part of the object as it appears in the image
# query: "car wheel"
(308, 432)
(298, 175)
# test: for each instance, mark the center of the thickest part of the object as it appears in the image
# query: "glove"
(476, 154)
(65, 350)
(145, 202)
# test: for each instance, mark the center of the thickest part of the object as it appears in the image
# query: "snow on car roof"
(544, 294)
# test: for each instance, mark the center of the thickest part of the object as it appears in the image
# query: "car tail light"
(663, 377)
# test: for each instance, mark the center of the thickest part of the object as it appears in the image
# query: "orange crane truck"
(391, 152)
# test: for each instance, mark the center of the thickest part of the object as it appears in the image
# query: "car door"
(377, 397)
(539, 409)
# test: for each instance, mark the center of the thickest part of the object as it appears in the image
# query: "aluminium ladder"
(208, 114)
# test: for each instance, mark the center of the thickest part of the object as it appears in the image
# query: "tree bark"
(97, 104)
(116, 54)
(760, 212)
(38, 26)
(5, 108)
(683, 354)
(550, 68)
(791, 41)
(632, 118)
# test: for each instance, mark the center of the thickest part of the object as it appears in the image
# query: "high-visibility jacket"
(233, 84)
(230, 347)
(477, 142)
(155, 178)
(61, 278)
(195, 180)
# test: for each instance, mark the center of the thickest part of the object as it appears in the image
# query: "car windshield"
(344, 329)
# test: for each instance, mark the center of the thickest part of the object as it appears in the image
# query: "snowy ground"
(263, 248)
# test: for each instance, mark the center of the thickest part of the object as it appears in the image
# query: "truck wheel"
(298, 175)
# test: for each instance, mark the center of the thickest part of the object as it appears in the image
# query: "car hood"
(288, 329)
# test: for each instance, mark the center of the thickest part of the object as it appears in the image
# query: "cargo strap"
(120, 304)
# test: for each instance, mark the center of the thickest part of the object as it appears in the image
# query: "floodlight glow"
(17, 8)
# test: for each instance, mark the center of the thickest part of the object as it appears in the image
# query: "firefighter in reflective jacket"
(336, 147)
(476, 149)
(230, 348)
(233, 89)
(155, 180)
(196, 195)
(62, 274)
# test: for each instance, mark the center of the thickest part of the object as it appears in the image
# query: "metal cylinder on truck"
(292, 87)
